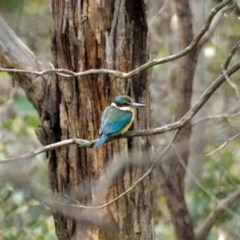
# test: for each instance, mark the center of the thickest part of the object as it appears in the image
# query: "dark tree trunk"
(92, 35)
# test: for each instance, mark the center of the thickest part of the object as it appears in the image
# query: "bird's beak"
(137, 105)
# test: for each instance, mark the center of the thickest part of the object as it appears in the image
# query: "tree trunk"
(198, 138)
(92, 35)
(173, 181)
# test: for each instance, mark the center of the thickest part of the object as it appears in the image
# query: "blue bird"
(117, 118)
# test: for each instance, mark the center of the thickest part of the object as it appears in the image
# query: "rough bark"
(91, 35)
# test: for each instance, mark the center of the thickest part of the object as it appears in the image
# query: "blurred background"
(212, 173)
(21, 217)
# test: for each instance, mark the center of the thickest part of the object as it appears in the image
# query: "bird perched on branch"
(117, 118)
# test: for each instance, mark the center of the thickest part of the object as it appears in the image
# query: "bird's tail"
(101, 141)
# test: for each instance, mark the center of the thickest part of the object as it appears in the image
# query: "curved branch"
(224, 144)
(139, 133)
(79, 142)
(196, 107)
(223, 116)
(124, 75)
(213, 25)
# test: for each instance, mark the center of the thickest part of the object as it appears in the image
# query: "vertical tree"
(173, 182)
(93, 35)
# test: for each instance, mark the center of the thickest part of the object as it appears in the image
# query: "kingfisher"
(117, 118)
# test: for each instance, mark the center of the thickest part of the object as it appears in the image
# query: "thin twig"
(217, 116)
(224, 144)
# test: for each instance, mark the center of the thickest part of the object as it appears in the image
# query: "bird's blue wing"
(114, 120)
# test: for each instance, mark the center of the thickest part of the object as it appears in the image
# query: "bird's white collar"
(124, 108)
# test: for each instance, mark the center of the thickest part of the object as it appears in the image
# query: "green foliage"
(220, 178)
(21, 217)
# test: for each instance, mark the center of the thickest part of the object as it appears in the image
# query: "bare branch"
(224, 144)
(196, 107)
(213, 25)
(80, 142)
(230, 55)
(189, 48)
(139, 133)
(223, 116)
(233, 85)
